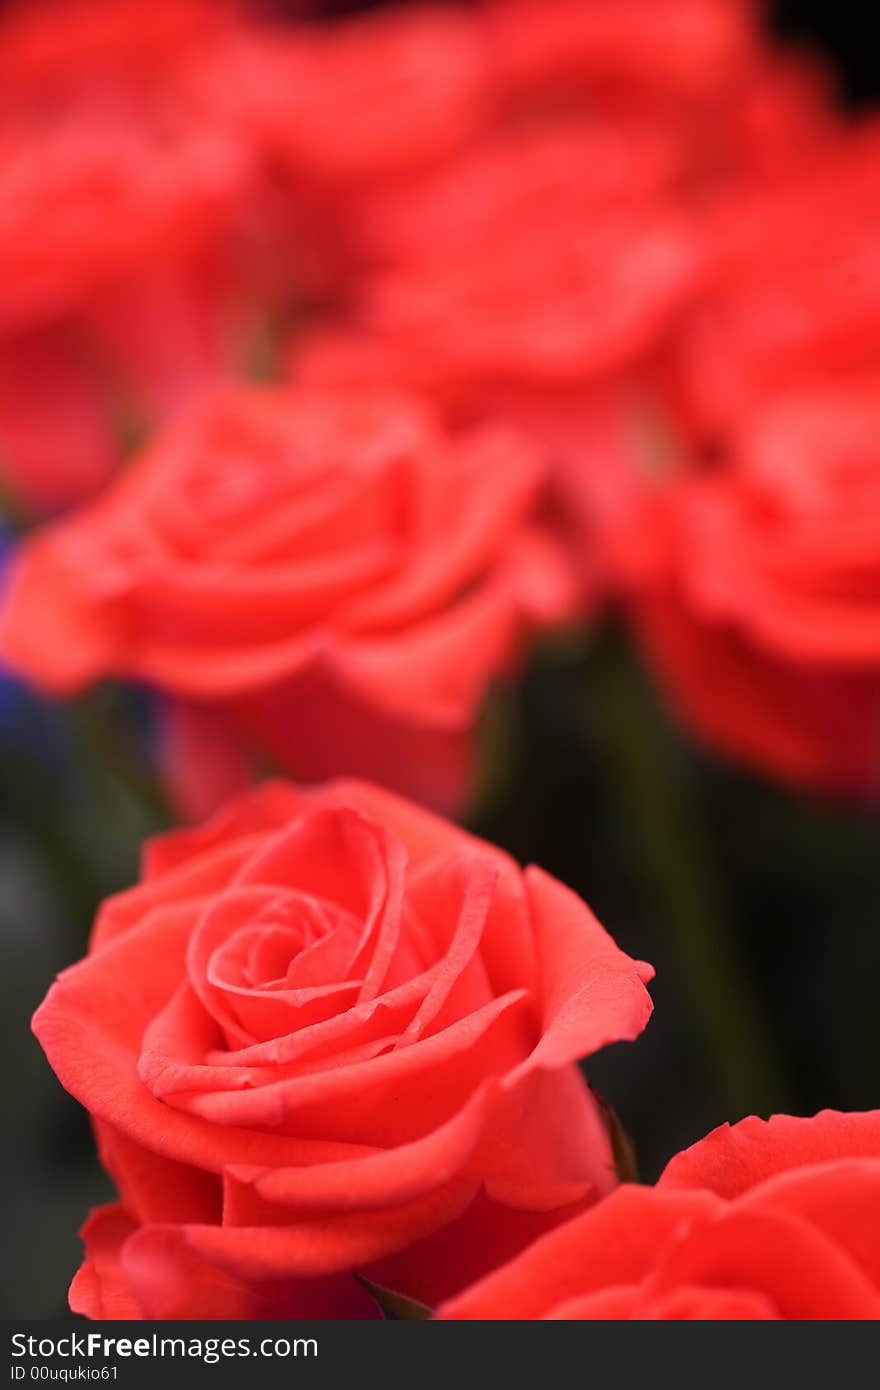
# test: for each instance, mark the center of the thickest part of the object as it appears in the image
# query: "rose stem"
(660, 807)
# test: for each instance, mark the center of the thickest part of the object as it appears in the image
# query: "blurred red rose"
(765, 1220)
(57, 441)
(96, 194)
(701, 72)
(791, 291)
(51, 48)
(330, 573)
(549, 299)
(686, 53)
(119, 200)
(541, 169)
(543, 270)
(544, 310)
(760, 606)
(331, 111)
(329, 1034)
(368, 97)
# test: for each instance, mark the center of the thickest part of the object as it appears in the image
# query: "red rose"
(121, 196)
(784, 120)
(555, 300)
(96, 195)
(685, 54)
(57, 443)
(118, 197)
(328, 577)
(110, 305)
(365, 98)
(764, 620)
(331, 111)
(776, 1220)
(792, 290)
(545, 169)
(50, 47)
(570, 234)
(330, 1033)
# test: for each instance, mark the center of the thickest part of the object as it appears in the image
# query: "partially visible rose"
(50, 48)
(120, 295)
(791, 292)
(57, 442)
(328, 577)
(545, 311)
(785, 119)
(762, 1221)
(545, 270)
(687, 54)
(120, 200)
(557, 299)
(333, 112)
(330, 1034)
(366, 98)
(557, 167)
(761, 617)
(700, 72)
(94, 194)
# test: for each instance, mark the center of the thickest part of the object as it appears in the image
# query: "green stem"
(31, 802)
(660, 804)
(101, 729)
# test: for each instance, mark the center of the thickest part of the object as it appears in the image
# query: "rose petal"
(735, 1158)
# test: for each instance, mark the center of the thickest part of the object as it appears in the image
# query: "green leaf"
(622, 1147)
(395, 1306)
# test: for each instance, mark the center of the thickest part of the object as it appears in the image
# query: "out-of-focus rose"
(367, 98)
(785, 118)
(57, 443)
(546, 319)
(762, 1221)
(542, 270)
(335, 113)
(332, 574)
(555, 300)
(330, 1034)
(566, 168)
(762, 618)
(791, 292)
(752, 551)
(688, 54)
(94, 195)
(51, 48)
(120, 200)
(701, 72)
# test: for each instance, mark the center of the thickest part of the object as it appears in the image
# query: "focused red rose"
(327, 577)
(330, 1034)
(762, 617)
(763, 1221)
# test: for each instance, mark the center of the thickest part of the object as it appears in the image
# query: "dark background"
(759, 908)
